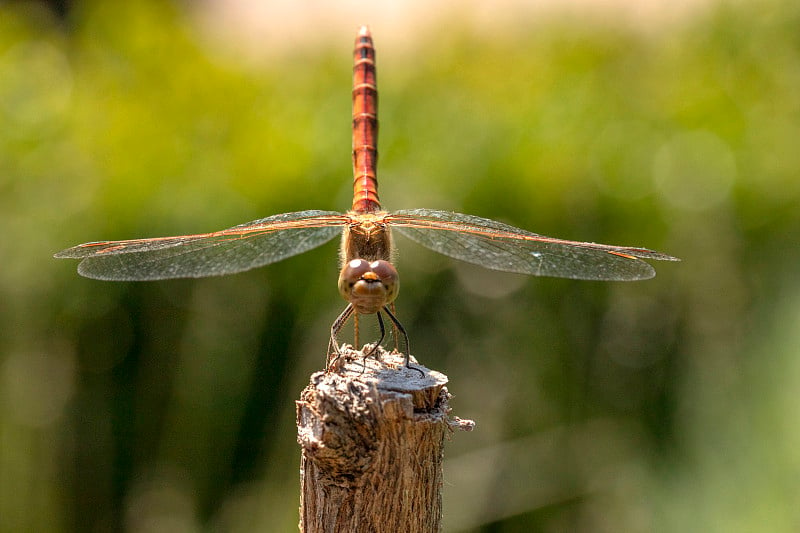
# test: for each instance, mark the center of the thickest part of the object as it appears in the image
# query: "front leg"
(336, 328)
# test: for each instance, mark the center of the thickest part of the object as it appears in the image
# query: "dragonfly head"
(369, 286)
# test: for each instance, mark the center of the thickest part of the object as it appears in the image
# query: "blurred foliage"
(667, 405)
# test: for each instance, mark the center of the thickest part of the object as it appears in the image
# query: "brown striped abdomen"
(365, 125)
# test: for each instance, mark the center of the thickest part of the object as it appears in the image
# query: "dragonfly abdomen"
(365, 125)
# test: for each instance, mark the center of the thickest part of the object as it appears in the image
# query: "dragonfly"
(368, 281)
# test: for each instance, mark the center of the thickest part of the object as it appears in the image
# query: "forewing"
(232, 250)
(499, 246)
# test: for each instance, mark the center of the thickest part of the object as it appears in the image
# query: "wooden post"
(372, 436)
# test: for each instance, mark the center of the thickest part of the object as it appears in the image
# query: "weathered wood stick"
(372, 436)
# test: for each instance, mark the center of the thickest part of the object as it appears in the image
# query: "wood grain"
(372, 437)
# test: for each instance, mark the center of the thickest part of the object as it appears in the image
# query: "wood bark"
(372, 436)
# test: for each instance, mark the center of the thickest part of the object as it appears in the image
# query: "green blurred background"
(665, 405)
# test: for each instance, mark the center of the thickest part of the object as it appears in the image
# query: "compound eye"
(355, 268)
(369, 286)
(352, 272)
(385, 271)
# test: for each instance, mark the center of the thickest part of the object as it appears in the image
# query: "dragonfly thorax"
(366, 236)
(369, 286)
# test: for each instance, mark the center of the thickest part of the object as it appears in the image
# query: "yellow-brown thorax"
(366, 236)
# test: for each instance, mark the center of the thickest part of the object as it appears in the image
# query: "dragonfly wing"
(232, 250)
(499, 246)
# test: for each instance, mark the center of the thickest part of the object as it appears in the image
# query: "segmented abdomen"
(365, 125)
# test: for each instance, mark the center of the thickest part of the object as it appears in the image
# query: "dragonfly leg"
(378, 342)
(395, 331)
(355, 333)
(333, 344)
(380, 339)
(402, 330)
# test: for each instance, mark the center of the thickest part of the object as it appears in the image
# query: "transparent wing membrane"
(499, 246)
(232, 250)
